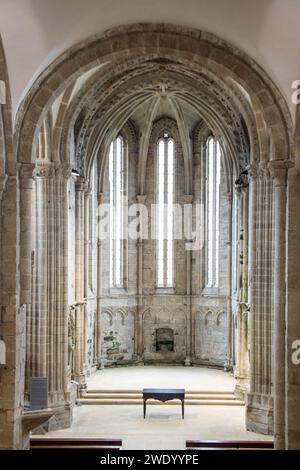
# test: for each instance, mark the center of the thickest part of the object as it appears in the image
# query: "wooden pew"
(229, 445)
(64, 443)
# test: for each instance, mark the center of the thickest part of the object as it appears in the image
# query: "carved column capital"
(26, 174)
(45, 170)
(64, 171)
(80, 184)
(263, 170)
(100, 198)
(26, 171)
(3, 179)
(87, 191)
(229, 197)
(141, 198)
(187, 198)
(278, 170)
(253, 171)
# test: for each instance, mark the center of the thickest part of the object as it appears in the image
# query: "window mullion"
(214, 216)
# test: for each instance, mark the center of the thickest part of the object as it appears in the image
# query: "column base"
(259, 413)
(241, 388)
(80, 379)
(61, 419)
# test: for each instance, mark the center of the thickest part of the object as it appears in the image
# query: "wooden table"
(164, 394)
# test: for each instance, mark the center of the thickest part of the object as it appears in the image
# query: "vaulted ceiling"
(34, 32)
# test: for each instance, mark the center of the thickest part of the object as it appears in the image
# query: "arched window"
(213, 209)
(164, 222)
(117, 192)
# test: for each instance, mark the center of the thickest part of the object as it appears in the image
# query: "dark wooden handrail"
(37, 443)
(217, 444)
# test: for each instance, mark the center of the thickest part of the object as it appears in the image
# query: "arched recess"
(266, 116)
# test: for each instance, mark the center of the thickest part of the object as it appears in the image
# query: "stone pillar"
(242, 369)
(27, 214)
(279, 173)
(13, 317)
(87, 241)
(242, 366)
(26, 185)
(66, 176)
(259, 400)
(139, 346)
(228, 365)
(188, 199)
(292, 391)
(47, 324)
(87, 215)
(79, 356)
(99, 285)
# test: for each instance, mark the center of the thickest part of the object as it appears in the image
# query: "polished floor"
(163, 427)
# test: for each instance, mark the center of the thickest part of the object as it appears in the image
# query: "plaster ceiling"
(34, 32)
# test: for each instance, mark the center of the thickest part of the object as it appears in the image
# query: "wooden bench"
(41, 443)
(164, 394)
(229, 445)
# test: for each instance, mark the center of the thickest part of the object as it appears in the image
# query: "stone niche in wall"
(117, 335)
(164, 339)
(164, 335)
(211, 336)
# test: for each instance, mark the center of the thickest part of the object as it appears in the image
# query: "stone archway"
(271, 124)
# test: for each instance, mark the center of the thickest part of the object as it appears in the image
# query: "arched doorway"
(95, 89)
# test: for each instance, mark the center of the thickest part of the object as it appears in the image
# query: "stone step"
(187, 392)
(139, 401)
(139, 395)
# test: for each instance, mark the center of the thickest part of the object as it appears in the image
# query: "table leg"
(144, 409)
(182, 408)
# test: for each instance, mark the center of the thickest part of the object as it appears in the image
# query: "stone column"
(87, 241)
(27, 214)
(26, 185)
(292, 391)
(259, 400)
(87, 215)
(13, 317)
(99, 285)
(242, 367)
(228, 365)
(188, 199)
(79, 359)
(138, 344)
(279, 173)
(47, 325)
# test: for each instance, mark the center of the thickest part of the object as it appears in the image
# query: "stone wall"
(119, 335)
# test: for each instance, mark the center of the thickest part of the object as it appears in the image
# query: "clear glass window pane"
(165, 200)
(116, 192)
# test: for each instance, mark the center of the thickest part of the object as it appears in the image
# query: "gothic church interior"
(143, 114)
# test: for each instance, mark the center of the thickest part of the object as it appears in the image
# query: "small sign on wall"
(38, 393)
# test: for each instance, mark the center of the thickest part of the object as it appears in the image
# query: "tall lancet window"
(116, 198)
(213, 211)
(164, 222)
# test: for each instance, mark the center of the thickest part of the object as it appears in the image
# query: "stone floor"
(163, 428)
(190, 378)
